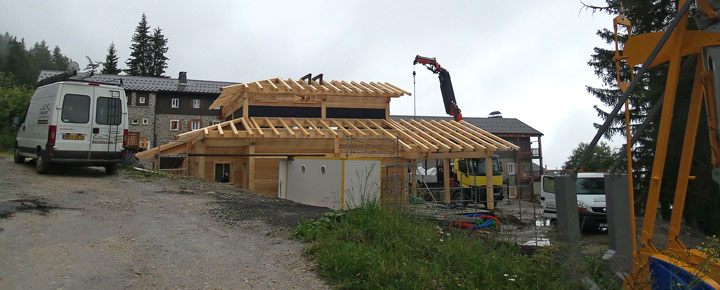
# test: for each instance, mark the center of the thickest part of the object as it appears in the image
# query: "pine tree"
(59, 61)
(111, 61)
(652, 16)
(18, 64)
(139, 63)
(159, 48)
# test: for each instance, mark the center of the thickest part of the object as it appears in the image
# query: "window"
(108, 111)
(142, 99)
(76, 109)
(215, 122)
(129, 99)
(195, 124)
(196, 103)
(549, 184)
(222, 172)
(146, 121)
(134, 122)
(511, 168)
(174, 125)
(175, 103)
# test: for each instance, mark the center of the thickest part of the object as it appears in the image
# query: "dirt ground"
(77, 228)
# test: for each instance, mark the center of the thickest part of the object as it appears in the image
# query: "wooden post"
(489, 183)
(246, 110)
(251, 167)
(446, 180)
(413, 169)
(200, 149)
(323, 111)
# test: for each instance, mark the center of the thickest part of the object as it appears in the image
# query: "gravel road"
(77, 228)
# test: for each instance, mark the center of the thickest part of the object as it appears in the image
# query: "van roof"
(81, 82)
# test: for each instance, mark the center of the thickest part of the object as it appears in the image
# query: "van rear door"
(547, 196)
(73, 121)
(107, 123)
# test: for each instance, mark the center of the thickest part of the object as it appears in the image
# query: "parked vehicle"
(74, 122)
(590, 189)
(467, 179)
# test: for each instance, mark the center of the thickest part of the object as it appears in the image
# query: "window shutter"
(200, 123)
(190, 125)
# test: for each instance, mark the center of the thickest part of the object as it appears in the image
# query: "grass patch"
(372, 248)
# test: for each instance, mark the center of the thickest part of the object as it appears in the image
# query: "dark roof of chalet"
(495, 126)
(151, 84)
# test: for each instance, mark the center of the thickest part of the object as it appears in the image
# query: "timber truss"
(329, 136)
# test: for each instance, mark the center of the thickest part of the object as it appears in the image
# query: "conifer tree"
(158, 50)
(139, 63)
(111, 61)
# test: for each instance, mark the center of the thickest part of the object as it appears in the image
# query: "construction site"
(285, 182)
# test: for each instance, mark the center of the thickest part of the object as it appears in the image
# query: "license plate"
(73, 137)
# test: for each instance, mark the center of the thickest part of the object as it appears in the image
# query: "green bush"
(370, 248)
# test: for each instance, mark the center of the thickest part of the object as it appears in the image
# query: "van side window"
(76, 109)
(549, 184)
(108, 111)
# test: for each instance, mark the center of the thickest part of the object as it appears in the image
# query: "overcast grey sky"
(527, 59)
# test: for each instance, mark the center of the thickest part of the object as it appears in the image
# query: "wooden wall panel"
(266, 176)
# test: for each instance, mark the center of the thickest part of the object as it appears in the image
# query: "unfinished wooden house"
(271, 122)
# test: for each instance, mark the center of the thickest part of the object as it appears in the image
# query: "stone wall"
(163, 125)
(141, 113)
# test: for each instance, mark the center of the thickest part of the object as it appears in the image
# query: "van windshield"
(590, 186)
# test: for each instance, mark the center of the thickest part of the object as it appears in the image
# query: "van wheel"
(110, 169)
(41, 164)
(17, 157)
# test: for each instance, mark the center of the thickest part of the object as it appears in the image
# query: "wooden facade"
(253, 144)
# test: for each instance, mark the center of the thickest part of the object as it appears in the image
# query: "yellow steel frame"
(681, 43)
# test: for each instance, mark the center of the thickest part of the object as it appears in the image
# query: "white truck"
(590, 187)
(75, 123)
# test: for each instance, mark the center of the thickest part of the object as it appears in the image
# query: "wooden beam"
(333, 86)
(406, 135)
(272, 127)
(469, 137)
(205, 130)
(490, 196)
(351, 86)
(422, 130)
(413, 171)
(446, 180)
(399, 89)
(341, 127)
(290, 130)
(284, 84)
(353, 126)
(328, 127)
(297, 84)
(362, 86)
(300, 126)
(220, 130)
(315, 128)
(247, 127)
(367, 127)
(260, 87)
(272, 84)
(451, 134)
(489, 136)
(234, 129)
(260, 131)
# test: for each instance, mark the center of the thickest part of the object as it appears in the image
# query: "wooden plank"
(328, 127)
(247, 127)
(314, 127)
(290, 130)
(446, 180)
(448, 126)
(353, 86)
(300, 126)
(387, 88)
(260, 131)
(343, 86)
(234, 129)
(260, 87)
(333, 86)
(365, 125)
(341, 127)
(353, 126)
(206, 131)
(220, 130)
(422, 130)
(362, 86)
(272, 127)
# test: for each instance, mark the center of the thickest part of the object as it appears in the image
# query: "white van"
(74, 122)
(590, 189)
